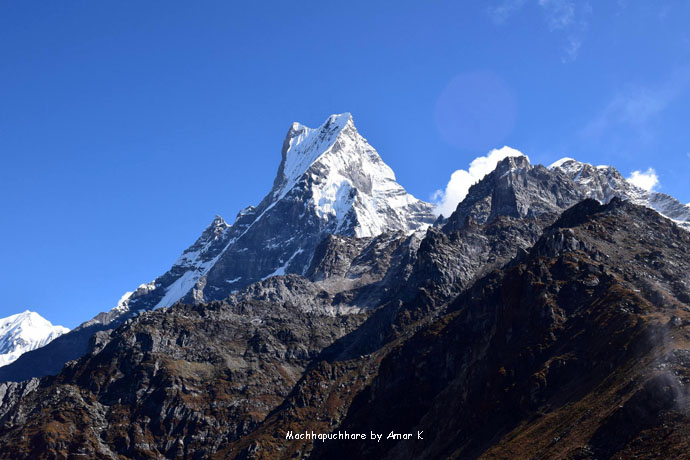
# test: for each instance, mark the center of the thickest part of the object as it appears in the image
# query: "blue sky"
(126, 126)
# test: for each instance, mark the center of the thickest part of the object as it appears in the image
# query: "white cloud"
(461, 180)
(647, 180)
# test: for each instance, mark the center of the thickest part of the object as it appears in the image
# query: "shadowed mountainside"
(578, 348)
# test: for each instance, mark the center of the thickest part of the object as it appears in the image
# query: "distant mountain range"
(547, 317)
(25, 332)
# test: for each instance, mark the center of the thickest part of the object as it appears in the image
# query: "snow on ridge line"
(24, 332)
(307, 146)
(344, 162)
(559, 163)
(612, 183)
(280, 271)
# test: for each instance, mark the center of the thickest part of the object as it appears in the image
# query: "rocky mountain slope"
(330, 182)
(25, 332)
(576, 348)
(534, 322)
(529, 324)
(604, 182)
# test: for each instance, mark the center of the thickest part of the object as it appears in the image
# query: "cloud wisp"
(461, 180)
(637, 106)
(501, 12)
(564, 16)
(571, 49)
(559, 13)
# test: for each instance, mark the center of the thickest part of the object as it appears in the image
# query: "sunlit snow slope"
(25, 332)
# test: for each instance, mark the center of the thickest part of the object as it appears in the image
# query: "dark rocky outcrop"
(575, 346)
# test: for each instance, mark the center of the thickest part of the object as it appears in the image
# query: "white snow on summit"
(329, 181)
(605, 182)
(346, 175)
(559, 163)
(305, 146)
(25, 332)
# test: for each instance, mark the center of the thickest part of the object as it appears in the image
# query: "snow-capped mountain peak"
(24, 332)
(605, 182)
(303, 146)
(349, 186)
(329, 181)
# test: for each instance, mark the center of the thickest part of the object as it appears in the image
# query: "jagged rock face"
(578, 349)
(583, 310)
(330, 182)
(451, 259)
(11, 394)
(605, 182)
(516, 189)
(361, 271)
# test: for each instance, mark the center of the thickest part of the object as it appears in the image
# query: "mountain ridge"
(330, 181)
(605, 182)
(533, 322)
(534, 344)
(24, 332)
